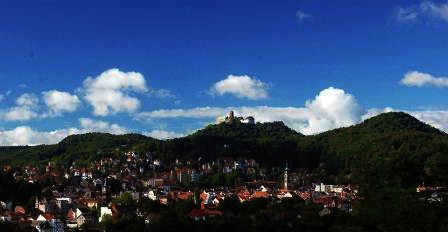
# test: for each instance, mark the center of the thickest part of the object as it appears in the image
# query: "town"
(84, 196)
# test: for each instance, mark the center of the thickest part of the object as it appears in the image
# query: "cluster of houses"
(89, 192)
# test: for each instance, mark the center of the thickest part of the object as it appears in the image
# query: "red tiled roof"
(260, 194)
(197, 213)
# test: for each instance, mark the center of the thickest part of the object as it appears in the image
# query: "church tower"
(285, 178)
(36, 204)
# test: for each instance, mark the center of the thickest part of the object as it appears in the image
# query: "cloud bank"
(331, 108)
(163, 134)
(24, 135)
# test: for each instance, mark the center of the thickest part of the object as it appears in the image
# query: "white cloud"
(330, 109)
(3, 96)
(27, 106)
(27, 99)
(109, 93)
(163, 94)
(241, 87)
(25, 109)
(163, 134)
(302, 16)
(416, 78)
(19, 113)
(24, 135)
(60, 102)
(376, 111)
(435, 118)
(90, 125)
(407, 14)
(426, 9)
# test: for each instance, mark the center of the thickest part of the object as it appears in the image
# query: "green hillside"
(394, 145)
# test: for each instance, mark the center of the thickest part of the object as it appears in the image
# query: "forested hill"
(395, 122)
(236, 139)
(273, 130)
(394, 145)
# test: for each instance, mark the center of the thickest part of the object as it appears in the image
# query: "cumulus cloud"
(60, 102)
(19, 113)
(27, 99)
(426, 9)
(24, 135)
(241, 87)
(163, 134)
(416, 78)
(331, 108)
(302, 16)
(25, 109)
(110, 92)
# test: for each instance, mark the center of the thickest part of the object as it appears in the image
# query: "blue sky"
(295, 50)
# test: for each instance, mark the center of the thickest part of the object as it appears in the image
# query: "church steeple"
(285, 178)
(36, 204)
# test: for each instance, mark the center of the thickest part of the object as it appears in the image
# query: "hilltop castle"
(231, 118)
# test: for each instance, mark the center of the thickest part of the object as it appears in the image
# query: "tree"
(125, 199)
(230, 204)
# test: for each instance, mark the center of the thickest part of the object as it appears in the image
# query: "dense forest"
(394, 145)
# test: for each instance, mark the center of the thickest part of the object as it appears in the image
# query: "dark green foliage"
(149, 206)
(272, 142)
(230, 204)
(241, 131)
(10, 227)
(387, 147)
(18, 192)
